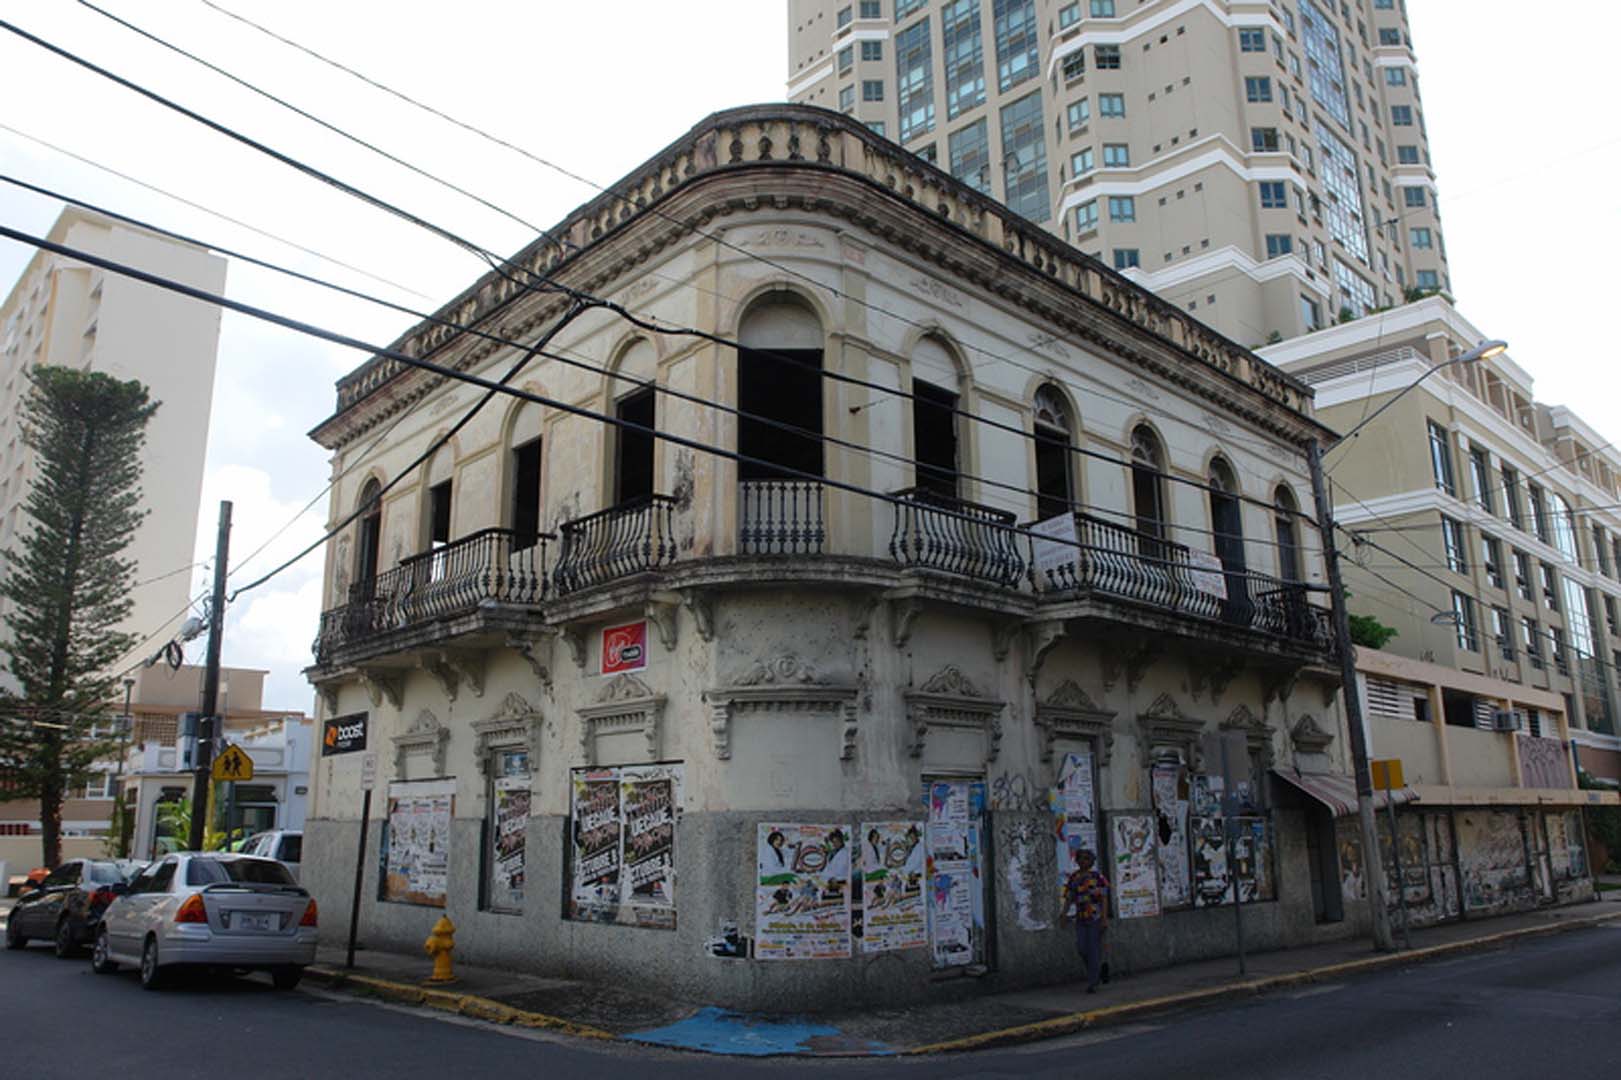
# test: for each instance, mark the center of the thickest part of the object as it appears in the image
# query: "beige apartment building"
(67, 314)
(1489, 535)
(1004, 532)
(1262, 164)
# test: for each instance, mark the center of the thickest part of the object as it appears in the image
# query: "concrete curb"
(469, 1005)
(1073, 1022)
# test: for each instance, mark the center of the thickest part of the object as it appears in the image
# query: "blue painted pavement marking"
(719, 1031)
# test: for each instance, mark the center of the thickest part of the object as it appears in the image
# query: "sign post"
(368, 780)
(1387, 777)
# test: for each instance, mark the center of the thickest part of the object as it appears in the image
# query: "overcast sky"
(1523, 164)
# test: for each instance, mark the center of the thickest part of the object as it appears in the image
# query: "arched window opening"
(1055, 494)
(934, 418)
(370, 538)
(1227, 526)
(1148, 491)
(779, 378)
(1288, 535)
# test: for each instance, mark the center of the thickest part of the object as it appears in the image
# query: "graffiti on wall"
(1029, 871)
(1169, 783)
(1491, 850)
(1020, 792)
(1544, 763)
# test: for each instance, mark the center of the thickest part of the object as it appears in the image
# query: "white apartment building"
(68, 314)
(1262, 164)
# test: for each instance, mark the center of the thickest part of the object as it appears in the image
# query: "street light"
(1373, 865)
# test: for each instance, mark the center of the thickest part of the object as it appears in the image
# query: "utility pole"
(211, 684)
(1373, 865)
(125, 724)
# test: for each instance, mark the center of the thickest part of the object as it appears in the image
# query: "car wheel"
(151, 973)
(66, 947)
(286, 978)
(101, 959)
(14, 936)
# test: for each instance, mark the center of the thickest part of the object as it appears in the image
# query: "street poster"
(623, 838)
(416, 842)
(511, 832)
(1170, 789)
(1055, 552)
(1074, 808)
(1136, 865)
(891, 863)
(802, 892)
(1206, 574)
(956, 899)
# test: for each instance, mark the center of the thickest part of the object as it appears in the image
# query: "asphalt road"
(1544, 1008)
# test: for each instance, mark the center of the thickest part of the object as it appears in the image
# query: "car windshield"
(242, 871)
(291, 848)
(108, 873)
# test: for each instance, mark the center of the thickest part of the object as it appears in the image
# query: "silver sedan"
(209, 909)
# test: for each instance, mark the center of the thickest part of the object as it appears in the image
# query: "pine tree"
(68, 583)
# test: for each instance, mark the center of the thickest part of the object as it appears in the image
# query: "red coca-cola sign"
(624, 648)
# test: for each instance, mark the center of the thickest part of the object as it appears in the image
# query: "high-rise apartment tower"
(1262, 165)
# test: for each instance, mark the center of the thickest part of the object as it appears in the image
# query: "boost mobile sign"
(344, 734)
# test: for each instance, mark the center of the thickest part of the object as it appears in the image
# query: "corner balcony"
(624, 541)
(482, 585)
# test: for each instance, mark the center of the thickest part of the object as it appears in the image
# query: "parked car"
(286, 846)
(209, 909)
(65, 906)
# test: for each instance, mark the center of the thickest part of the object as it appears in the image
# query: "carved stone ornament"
(516, 723)
(949, 699)
(1069, 712)
(1163, 724)
(1216, 674)
(626, 703)
(783, 684)
(424, 735)
(1308, 737)
(383, 685)
(1256, 733)
(537, 652)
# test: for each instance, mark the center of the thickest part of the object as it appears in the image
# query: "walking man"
(1086, 900)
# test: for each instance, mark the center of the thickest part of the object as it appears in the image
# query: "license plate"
(243, 920)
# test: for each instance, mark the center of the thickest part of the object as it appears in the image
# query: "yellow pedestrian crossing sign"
(233, 764)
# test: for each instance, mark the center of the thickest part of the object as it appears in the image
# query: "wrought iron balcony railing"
(939, 532)
(622, 540)
(490, 565)
(780, 517)
(1114, 560)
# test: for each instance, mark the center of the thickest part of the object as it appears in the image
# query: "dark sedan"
(66, 907)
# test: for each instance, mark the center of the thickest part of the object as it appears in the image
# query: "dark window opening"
(1460, 708)
(1226, 521)
(526, 495)
(782, 385)
(1054, 496)
(634, 479)
(439, 515)
(371, 531)
(934, 432)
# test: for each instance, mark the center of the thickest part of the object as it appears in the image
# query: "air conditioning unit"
(1507, 720)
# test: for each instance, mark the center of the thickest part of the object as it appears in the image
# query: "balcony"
(780, 517)
(621, 541)
(1118, 563)
(410, 604)
(950, 536)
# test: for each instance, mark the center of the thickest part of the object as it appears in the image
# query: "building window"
(964, 54)
(1395, 76)
(1086, 216)
(914, 81)
(872, 9)
(1522, 575)
(1389, 35)
(1122, 208)
(1080, 162)
(1413, 197)
(1406, 155)
(1463, 611)
(1054, 476)
(1419, 236)
(1148, 492)
(633, 465)
(1068, 16)
(1355, 292)
(1112, 105)
(1609, 616)
(1287, 535)
(928, 153)
(1539, 513)
(1264, 139)
(1024, 159)
(1511, 497)
(872, 50)
(1311, 312)
(1126, 258)
(1079, 113)
(1480, 473)
(1427, 280)
(1344, 206)
(1564, 529)
(1278, 244)
(903, 8)
(1018, 48)
(1531, 640)
(1556, 641)
(1401, 115)
(526, 495)
(1452, 538)
(847, 98)
(872, 89)
(876, 127)
(1252, 40)
(844, 16)
(847, 59)
(1601, 550)
(1503, 631)
(1116, 155)
(1550, 587)
(1491, 557)
(934, 426)
(1274, 195)
(1327, 75)
(1102, 9)
(1257, 88)
(970, 153)
(1106, 57)
(1441, 458)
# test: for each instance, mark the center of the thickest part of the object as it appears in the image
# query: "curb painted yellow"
(469, 1005)
(1073, 1022)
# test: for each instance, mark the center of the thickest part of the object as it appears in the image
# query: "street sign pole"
(210, 725)
(368, 778)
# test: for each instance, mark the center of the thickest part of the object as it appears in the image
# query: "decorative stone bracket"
(537, 652)
(383, 684)
(625, 704)
(452, 668)
(950, 700)
(515, 724)
(1070, 712)
(425, 735)
(783, 684)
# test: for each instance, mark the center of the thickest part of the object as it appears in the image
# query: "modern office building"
(1263, 165)
(68, 314)
(1490, 538)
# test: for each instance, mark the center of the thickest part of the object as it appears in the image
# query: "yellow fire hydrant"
(440, 944)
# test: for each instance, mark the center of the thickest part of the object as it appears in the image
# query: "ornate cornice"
(949, 699)
(1070, 711)
(626, 703)
(424, 735)
(788, 684)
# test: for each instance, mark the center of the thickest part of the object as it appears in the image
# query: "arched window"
(1564, 528)
(437, 479)
(633, 448)
(1148, 490)
(779, 378)
(1288, 535)
(934, 418)
(1227, 528)
(523, 498)
(1055, 494)
(369, 541)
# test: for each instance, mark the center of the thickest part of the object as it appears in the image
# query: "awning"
(1338, 791)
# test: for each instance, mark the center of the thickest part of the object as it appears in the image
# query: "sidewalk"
(588, 1010)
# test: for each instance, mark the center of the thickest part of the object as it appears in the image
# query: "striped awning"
(1338, 791)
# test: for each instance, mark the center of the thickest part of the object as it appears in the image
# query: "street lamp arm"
(1480, 352)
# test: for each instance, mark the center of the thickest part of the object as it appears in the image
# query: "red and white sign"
(624, 648)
